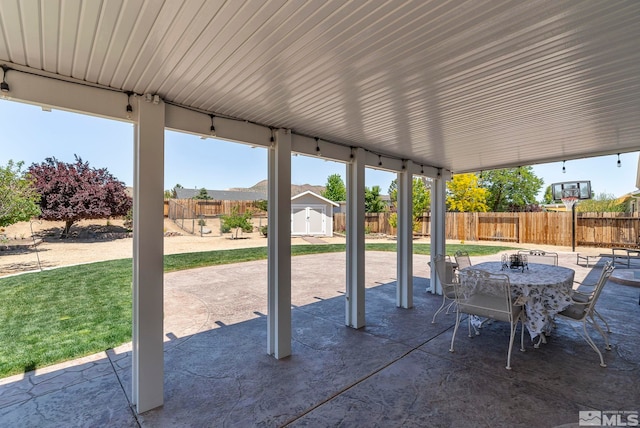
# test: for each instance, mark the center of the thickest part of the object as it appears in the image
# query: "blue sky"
(31, 135)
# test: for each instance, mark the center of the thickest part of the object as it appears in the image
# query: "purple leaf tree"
(75, 191)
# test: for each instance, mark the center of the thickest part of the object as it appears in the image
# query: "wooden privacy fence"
(209, 207)
(373, 223)
(186, 213)
(544, 228)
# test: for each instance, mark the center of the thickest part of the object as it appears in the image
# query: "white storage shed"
(311, 214)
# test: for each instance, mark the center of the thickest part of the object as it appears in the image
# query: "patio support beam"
(404, 266)
(438, 211)
(148, 223)
(279, 246)
(38, 87)
(355, 240)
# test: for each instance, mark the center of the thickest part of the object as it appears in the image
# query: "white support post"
(148, 293)
(355, 241)
(404, 288)
(438, 212)
(279, 246)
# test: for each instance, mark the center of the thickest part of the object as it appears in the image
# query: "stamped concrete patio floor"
(397, 371)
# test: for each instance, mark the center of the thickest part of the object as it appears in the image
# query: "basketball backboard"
(581, 189)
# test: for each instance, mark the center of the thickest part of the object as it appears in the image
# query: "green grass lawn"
(56, 315)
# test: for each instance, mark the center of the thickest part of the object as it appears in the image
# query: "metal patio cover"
(462, 85)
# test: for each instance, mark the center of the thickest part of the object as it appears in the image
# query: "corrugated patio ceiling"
(462, 85)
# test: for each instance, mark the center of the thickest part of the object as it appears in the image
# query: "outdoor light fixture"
(4, 86)
(213, 127)
(379, 160)
(421, 169)
(619, 163)
(351, 153)
(318, 147)
(563, 167)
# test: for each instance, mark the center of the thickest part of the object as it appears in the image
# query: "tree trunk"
(67, 228)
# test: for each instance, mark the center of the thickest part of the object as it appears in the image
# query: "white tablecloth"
(547, 290)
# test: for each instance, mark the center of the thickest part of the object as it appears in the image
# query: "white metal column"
(148, 218)
(438, 211)
(355, 240)
(404, 288)
(279, 239)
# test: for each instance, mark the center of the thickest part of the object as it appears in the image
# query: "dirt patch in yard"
(98, 240)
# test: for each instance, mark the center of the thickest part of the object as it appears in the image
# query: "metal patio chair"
(447, 276)
(488, 295)
(584, 312)
(581, 296)
(462, 259)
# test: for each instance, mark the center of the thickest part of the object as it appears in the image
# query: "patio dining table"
(546, 289)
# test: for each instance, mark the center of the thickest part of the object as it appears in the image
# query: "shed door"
(308, 220)
(316, 220)
(298, 220)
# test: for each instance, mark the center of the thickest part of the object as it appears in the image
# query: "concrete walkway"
(396, 371)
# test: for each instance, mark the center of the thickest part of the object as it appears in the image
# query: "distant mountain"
(296, 189)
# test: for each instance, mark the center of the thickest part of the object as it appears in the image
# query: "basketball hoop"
(570, 197)
(569, 192)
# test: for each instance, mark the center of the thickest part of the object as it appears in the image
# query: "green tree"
(511, 189)
(168, 194)
(393, 191)
(421, 194)
(175, 190)
(203, 194)
(18, 196)
(421, 197)
(335, 189)
(236, 221)
(373, 203)
(602, 203)
(464, 194)
(261, 204)
(548, 196)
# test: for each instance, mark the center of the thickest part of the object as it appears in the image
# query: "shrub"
(128, 219)
(236, 221)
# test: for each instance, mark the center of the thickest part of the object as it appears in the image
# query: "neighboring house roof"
(309, 192)
(627, 196)
(239, 195)
(222, 195)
